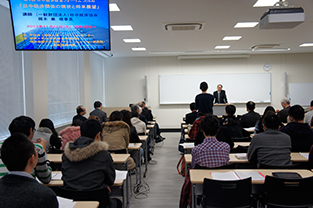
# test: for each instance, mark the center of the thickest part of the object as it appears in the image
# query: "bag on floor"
(181, 166)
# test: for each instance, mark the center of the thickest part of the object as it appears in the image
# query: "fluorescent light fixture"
(113, 7)
(213, 56)
(246, 24)
(265, 3)
(222, 47)
(122, 27)
(271, 50)
(139, 49)
(132, 40)
(306, 45)
(232, 38)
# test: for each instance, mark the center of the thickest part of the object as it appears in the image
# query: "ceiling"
(147, 17)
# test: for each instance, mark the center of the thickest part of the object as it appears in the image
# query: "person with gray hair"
(283, 114)
(308, 116)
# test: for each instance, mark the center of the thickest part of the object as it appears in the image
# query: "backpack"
(181, 166)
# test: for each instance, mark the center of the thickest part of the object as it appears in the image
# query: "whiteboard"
(300, 93)
(240, 88)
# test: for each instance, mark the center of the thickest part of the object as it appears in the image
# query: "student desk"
(197, 178)
(118, 183)
(136, 147)
(86, 204)
(244, 144)
(143, 139)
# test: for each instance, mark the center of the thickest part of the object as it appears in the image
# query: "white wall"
(124, 81)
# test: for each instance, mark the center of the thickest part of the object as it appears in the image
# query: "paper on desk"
(188, 145)
(256, 176)
(241, 156)
(57, 176)
(131, 145)
(65, 203)
(306, 155)
(250, 129)
(120, 174)
(224, 176)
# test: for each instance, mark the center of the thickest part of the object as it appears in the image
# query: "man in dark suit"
(191, 117)
(220, 95)
(249, 119)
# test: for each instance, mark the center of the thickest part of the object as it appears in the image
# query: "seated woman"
(71, 133)
(116, 133)
(260, 122)
(47, 131)
(133, 136)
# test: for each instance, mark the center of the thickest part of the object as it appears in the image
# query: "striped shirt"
(210, 153)
(42, 171)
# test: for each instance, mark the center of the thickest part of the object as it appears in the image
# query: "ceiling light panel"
(122, 27)
(139, 49)
(114, 8)
(265, 3)
(222, 47)
(132, 40)
(306, 45)
(232, 38)
(246, 24)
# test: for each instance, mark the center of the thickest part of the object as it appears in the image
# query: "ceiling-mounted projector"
(282, 18)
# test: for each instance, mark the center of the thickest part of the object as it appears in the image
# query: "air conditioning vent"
(183, 26)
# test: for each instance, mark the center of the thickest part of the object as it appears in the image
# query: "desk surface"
(117, 158)
(143, 138)
(86, 204)
(134, 146)
(244, 144)
(197, 176)
(295, 157)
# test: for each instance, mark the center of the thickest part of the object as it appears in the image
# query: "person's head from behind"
(18, 153)
(116, 116)
(80, 110)
(285, 102)
(219, 87)
(250, 106)
(134, 108)
(91, 128)
(296, 113)
(97, 104)
(77, 122)
(24, 125)
(204, 86)
(271, 121)
(48, 124)
(94, 117)
(311, 105)
(268, 108)
(230, 110)
(210, 125)
(192, 106)
(126, 116)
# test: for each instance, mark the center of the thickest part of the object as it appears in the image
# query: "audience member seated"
(116, 133)
(249, 119)
(300, 133)
(47, 131)
(211, 153)
(283, 114)
(271, 147)
(71, 133)
(260, 122)
(139, 125)
(98, 112)
(232, 124)
(26, 125)
(81, 111)
(191, 117)
(145, 111)
(86, 163)
(309, 115)
(196, 127)
(136, 108)
(19, 188)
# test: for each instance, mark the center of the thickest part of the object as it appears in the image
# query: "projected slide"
(61, 24)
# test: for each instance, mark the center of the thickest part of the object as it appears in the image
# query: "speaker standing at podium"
(220, 95)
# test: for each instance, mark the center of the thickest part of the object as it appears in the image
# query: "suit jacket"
(191, 117)
(249, 119)
(283, 114)
(223, 97)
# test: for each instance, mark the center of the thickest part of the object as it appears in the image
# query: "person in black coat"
(249, 119)
(191, 117)
(220, 95)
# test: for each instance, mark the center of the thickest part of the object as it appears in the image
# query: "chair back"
(227, 194)
(288, 192)
(100, 195)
